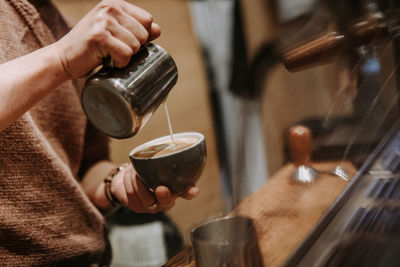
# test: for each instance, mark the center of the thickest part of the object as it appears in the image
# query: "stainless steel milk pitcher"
(120, 101)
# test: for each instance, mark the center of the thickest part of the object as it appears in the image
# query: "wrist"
(105, 198)
(63, 69)
(54, 67)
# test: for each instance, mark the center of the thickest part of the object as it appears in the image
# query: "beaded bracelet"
(107, 185)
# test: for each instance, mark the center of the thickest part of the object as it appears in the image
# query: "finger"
(121, 183)
(128, 182)
(117, 20)
(138, 30)
(155, 32)
(165, 197)
(144, 17)
(119, 51)
(135, 204)
(132, 200)
(191, 193)
(131, 36)
(146, 197)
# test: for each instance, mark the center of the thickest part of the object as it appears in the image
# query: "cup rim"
(208, 222)
(162, 138)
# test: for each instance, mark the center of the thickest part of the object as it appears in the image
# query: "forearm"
(93, 184)
(27, 79)
(112, 28)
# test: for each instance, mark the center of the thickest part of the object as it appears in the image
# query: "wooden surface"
(284, 212)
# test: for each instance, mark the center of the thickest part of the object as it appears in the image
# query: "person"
(53, 162)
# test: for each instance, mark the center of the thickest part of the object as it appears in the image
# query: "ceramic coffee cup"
(157, 162)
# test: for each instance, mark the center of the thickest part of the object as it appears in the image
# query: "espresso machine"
(362, 228)
(361, 35)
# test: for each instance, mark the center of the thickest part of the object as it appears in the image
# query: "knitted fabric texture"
(45, 217)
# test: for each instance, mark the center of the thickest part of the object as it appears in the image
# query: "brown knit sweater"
(45, 217)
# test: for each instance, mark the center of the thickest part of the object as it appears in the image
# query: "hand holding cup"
(176, 164)
(136, 196)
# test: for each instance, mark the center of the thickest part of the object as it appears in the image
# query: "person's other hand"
(133, 194)
(112, 28)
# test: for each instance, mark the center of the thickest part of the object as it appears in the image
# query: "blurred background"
(233, 88)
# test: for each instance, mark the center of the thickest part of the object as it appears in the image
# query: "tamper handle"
(300, 144)
(314, 53)
(323, 49)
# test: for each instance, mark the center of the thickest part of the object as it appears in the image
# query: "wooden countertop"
(284, 212)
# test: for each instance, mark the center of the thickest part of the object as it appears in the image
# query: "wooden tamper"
(300, 147)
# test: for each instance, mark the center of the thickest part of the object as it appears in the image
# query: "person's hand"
(112, 28)
(133, 194)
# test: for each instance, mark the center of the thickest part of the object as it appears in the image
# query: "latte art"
(165, 148)
(176, 163)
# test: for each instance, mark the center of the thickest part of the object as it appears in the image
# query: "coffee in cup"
(175, 162)
(166, 148)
